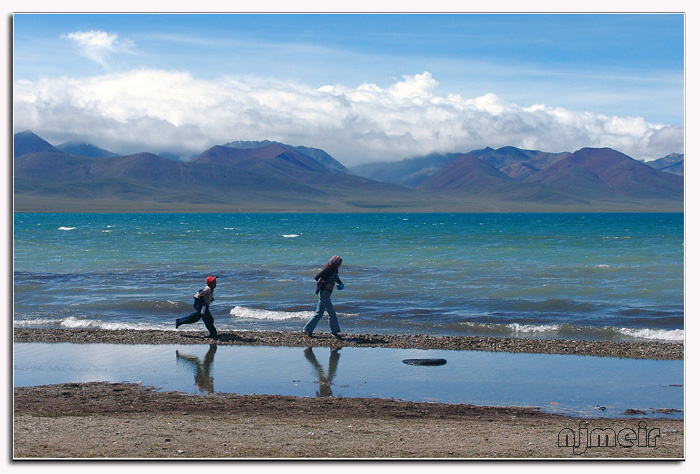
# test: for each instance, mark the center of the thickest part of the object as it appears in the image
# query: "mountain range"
(272, 176)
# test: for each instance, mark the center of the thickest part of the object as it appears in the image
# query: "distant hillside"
(470, 176)
(272, 160)
(409, 172)
(604, 173)
(28, 142)
(148, 177)
(85, 149)
(285, 163)
(315, 154)
(673, 163)
(270, 176)
(466, 172)
(517, 163)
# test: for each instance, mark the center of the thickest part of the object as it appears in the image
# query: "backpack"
(198, 301)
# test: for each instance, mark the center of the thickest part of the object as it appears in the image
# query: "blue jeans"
(324, 303)
(196, 316)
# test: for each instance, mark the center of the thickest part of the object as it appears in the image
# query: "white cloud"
(156, 110)
(98, 46)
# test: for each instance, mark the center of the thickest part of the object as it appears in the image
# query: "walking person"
(202, 299)
(325, 282)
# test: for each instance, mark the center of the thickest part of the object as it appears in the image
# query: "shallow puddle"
(565, 384)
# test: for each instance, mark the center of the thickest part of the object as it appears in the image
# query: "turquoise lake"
(587, 276)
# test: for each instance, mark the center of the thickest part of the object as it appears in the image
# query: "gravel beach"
(636, 350)
(129, 421)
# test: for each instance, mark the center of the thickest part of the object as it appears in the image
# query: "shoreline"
(634, 350)
(104, 420)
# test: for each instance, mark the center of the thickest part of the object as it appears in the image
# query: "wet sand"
(130, 421)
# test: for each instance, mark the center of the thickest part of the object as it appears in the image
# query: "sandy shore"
(103, 420)
(130, 421)
(637, 350)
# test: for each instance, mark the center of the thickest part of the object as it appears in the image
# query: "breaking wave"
(564, 331)
(263, 314)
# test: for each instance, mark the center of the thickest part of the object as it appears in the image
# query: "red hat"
(212, 279)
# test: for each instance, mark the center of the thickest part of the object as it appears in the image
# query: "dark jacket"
(327, 278)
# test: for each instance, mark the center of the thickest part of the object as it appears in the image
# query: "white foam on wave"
(558, 330)
(676, 335)
(533, 328)
(290, 236)
(34, 322)
(263, 314)
(66, 228)
(72, 322)
(514, 328)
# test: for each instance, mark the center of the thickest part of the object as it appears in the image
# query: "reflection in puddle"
(325, 379)
(204, 381)
(202, 369)
(573, 385)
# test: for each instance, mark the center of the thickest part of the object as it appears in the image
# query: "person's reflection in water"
(324, 380)
(202, 378)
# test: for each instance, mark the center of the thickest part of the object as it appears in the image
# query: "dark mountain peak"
(226, 155)
(274, 157)
(505, 156)
(481, 152)
(511, 150)
(518, 163)
(673, 163)
(604, 172)
(249, 144)
(215, 154)
(470, 176)
(323, 158)
(604, 153)
(607, 163)
(315, 154)
(464, 171)
(85, 149)
(28, 142)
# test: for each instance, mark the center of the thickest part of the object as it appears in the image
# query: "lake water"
(564, 384)
(587, 276)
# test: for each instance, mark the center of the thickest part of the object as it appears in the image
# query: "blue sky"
(362, 87)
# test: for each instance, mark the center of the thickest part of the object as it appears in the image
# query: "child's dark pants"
(196, 316)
